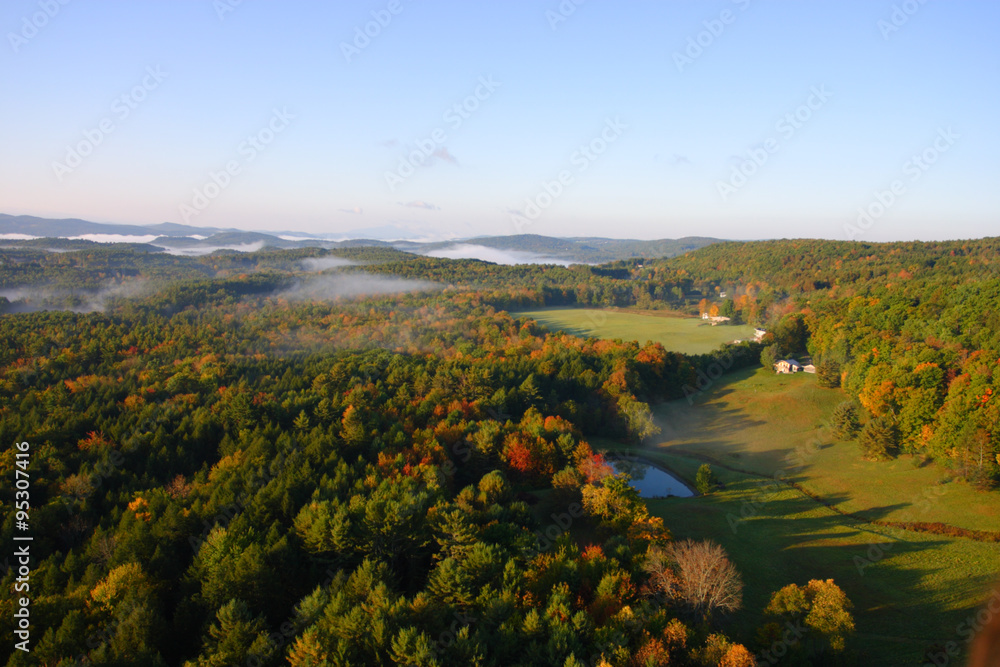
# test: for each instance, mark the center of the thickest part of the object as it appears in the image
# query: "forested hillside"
(911, 329)
(229, 470)
(310, 457)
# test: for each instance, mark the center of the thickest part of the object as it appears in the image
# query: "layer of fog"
(350, 285)
(324, 263)
(294, 237)
(198, 251)
(114, 238)
(470, 251)
(33, 299)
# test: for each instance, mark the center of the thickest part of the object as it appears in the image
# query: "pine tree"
(845, 422)
(828, 374)
(879, 441)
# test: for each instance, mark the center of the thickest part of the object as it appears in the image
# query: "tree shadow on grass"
(709, 421)
(894, 578)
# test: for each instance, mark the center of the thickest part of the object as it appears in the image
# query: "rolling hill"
(202, 240)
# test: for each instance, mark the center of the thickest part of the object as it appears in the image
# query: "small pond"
(650, 481)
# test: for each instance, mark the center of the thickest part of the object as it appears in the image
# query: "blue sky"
(640, 119)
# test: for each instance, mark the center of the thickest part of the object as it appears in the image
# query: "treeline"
(911, 331)
(908, 327)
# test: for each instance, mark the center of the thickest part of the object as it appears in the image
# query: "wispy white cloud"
(114, 238)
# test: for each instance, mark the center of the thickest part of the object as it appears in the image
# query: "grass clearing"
(910, 590)
(689, 335)
(763, 423)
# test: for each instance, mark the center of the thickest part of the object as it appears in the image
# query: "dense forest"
(912, 330)
(315, 457)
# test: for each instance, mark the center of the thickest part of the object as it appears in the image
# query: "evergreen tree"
(845, 422)
(828, 374)
(878, 439)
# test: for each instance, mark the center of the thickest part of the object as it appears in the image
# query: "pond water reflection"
(650, 481)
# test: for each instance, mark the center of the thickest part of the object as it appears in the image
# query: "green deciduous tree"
(791, 334)
(705, 480)
(822, 607)
(770, 355)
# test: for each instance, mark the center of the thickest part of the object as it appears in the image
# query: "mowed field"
(910, 590)
(689, 335)
(764, 423)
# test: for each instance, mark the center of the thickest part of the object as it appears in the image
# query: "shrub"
(770, 356)
(705, 481)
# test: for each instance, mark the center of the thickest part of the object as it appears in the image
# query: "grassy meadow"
(910, 590)
(689, 335)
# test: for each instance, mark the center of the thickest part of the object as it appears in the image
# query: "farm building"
(715, 319)
(787, 366)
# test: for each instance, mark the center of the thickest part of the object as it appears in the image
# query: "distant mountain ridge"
(173, 237)
(67, 227)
